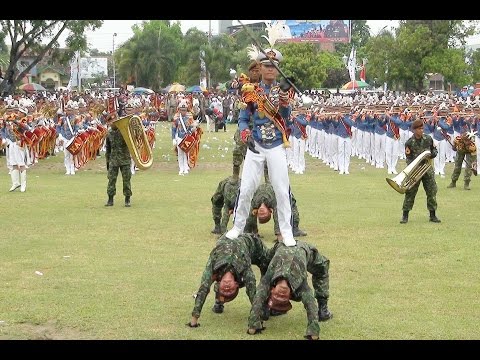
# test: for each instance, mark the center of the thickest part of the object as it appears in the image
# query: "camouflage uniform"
(265, 194)
(237, 255)
(413, 148)
(223, 200)
(117, 157)
(467, 150)
(230, 193)
(292, 264)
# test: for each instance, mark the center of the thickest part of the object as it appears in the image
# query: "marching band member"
(344, 143)
(17, 153)
(68, 132)
(182, 125)
(265, 145)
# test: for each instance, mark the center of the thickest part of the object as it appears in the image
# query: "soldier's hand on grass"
(193, 323)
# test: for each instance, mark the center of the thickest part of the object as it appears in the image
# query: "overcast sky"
(102, 39)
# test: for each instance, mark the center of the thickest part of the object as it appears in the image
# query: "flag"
(363, 73)
(352, 63)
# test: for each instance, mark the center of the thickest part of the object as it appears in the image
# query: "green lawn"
(129, 273)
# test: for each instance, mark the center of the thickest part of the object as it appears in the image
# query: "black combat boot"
(433, 217)
(298, 232)
(323, 313)
(217, 229)
(127, 201)
(110, 201)
(466, 185)
(218, 307)
(404, 217)
(452, 185)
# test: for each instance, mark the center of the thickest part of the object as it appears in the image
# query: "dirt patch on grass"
(47, 331)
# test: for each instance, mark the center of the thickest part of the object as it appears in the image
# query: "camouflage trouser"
(112, 180)
(430, 187)
(217, 202)
(295, 214)
(240, 149)
(469, 159)
(321, 280)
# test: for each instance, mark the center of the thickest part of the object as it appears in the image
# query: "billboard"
(314, 30)
(92, 67)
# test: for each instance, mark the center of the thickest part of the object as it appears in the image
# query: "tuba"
(412, 173)
(133, 133)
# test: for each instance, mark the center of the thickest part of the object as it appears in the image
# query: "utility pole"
(113, 59)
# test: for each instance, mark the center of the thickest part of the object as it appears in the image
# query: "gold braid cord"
(254, 93)
(193, 154)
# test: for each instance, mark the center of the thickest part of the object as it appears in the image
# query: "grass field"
(129, 273)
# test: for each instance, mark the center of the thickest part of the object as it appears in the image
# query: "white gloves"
(174, 142)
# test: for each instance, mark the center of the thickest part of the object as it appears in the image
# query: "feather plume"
(252, 52)
(276, 31)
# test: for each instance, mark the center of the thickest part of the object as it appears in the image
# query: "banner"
(314, 30)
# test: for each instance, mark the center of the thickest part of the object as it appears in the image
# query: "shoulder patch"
(407, 151)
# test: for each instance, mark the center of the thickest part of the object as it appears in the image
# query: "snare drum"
(187, 143)
(74, 145)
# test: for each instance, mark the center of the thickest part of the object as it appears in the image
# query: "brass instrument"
(133, 133)
(412, 173)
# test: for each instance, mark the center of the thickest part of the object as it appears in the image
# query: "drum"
(187, 142)
(74, 145)
(30, 138)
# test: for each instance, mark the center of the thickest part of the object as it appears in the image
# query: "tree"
(307, 64)
(37, 37)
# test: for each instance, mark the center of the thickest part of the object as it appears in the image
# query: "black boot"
(404, 217)
(218, 307)
(110, 201)
(323, 313)
(433, 217)
(298, 232)
(217, 229)
(127, 201)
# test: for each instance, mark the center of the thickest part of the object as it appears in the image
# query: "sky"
(103, 39)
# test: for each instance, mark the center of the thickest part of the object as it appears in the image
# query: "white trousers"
(298, 154)
(182, 158)
(252, 173)
(440, 159)
(391, 153)
(344, 146)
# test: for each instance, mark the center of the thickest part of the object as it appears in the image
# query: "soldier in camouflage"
(230, 266)
(118, 158)
(414, 146)
(466, 150)
(265, 195)
(286, 279)
(223, 201)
